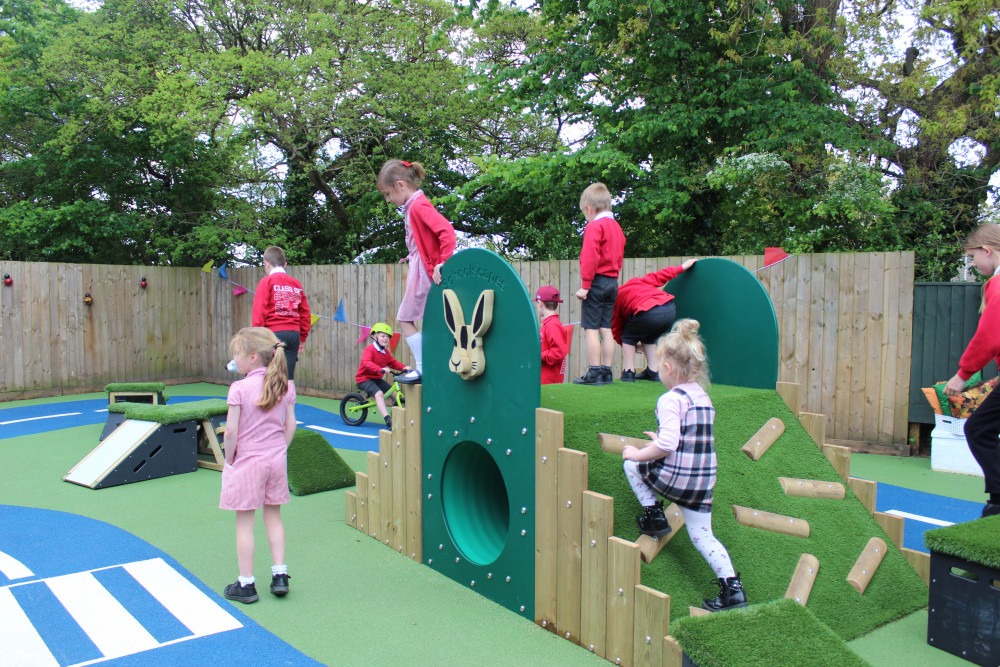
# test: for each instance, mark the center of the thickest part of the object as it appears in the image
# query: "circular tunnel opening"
(474, 499)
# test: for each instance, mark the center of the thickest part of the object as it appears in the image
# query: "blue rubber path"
(76, 590)
(34, 419)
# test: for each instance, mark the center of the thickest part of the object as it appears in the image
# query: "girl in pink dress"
(259, 427)
(430, 240)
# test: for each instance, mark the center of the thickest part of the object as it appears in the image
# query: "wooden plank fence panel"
(572, 484)
(844, 325)
(598, 527)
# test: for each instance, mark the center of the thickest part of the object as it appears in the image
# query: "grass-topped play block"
(136, 392)
(782, 632)
(314, 466)
(964, 614)
(205, 417)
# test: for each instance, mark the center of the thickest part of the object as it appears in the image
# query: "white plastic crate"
(949, 450)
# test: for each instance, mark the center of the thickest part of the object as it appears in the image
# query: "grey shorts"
(600, 303)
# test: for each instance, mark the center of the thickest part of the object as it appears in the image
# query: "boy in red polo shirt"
(555, 347)
(280, 305)
(600, 263)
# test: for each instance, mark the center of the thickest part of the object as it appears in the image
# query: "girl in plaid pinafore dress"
(680, 464)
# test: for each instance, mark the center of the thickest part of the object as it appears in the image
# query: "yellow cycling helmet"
(381, 327)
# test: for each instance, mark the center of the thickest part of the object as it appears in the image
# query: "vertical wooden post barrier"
(361, 488)
(815, 426)
(398, 473)
(385, 487)
(893, 526)
(865, 490)
(414, 468)
(598, 527)
(790, 393)
(840, 458)
(374, 499)
(548, 441)
(351, 509)
(572, 483)
(623, 577)
(652, 625)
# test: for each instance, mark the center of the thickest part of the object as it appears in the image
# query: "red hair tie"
(405, 163)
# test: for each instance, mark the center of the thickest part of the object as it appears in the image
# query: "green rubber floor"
(355, 601)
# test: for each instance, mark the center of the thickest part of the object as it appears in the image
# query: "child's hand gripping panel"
(467, 356)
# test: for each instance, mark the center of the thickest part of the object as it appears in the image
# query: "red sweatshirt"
(555, 347)
(603, 250)
(373, 360)
(639, 295)
(280, 305)
(434, 235)
(985, 344)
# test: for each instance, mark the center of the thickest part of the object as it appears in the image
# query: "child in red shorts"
(259, 427)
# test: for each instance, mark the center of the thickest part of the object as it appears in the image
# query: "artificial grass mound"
(794, 636)
(766, 560)
(314, 466)
(973, 541)
(151, 387)
(172, 414)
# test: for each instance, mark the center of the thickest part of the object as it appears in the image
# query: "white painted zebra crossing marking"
(12, 568)
(108, 624)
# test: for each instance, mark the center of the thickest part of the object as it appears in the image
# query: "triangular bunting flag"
(393, 342)
(340, 316)
(364, 332)
(208, 267)
(774, 255)
(222, 272)
(313, 320)
(239, 289)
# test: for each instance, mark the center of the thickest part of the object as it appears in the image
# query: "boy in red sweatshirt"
(376, 361)
(600, 263)
(280, 305)
(555, 347)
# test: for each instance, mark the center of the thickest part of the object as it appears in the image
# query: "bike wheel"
(353, 409)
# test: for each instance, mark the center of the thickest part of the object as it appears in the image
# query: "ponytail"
(271, 351)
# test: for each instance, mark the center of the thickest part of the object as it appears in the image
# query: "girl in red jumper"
(430, 240)
(983, 427)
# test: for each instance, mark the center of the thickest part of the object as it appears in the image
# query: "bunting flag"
(313, 320)
(364, 332)
(239, 289)
(208, 267)
(340, 315)
(222, 272)
(393, 342)
(774, 255)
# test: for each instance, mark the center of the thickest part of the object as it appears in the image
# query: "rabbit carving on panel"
(467, 358)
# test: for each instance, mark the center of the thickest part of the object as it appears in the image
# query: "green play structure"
(478, 433)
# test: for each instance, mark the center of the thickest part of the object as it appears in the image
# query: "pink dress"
(418, 282)
(259, 473)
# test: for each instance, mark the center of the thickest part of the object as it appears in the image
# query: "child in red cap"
(555, 346)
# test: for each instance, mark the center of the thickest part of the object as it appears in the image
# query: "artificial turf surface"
(314, 466)
(975, 541)
(766, 560)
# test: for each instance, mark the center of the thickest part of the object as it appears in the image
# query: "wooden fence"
(845, 326)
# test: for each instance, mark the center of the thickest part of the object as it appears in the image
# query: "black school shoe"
(653, 521)
(240, 593)
(593, 376)
(990, 509)
(279, 585)
(628, 376)
(647, 374)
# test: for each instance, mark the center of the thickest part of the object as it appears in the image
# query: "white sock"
(246, 581)
(279, 569)
(416, 348)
